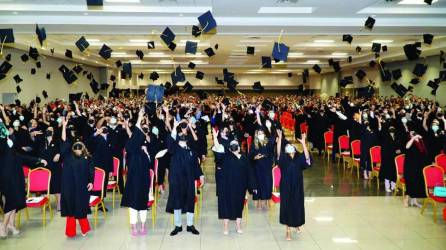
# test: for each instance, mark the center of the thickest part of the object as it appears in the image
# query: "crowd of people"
(72, 138)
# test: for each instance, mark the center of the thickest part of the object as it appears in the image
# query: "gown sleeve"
(252, 180)
(135, 141)
(90, 170)
(65, 148)
(171, 144)
(303, 163)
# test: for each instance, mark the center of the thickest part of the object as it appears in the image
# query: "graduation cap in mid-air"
(427, 38)
(209, 52)
(219, 81)
(41, 34)
(151, 44)
(33, 71)
(191, 47)
(187, 87)
(105, 52)
(18, 89)
(7, 36)
(207, 22)
(420, 69)
(376, 47)
(45, 94)
(336, 66)
(118, 63)
(155, 93)
(94, 3)
(17, 79)
(280, 51)
(196, 31)
(396, 74)
(8, 57)
(358, 49)
(257, 86)
(347, 38)
(350, 59)
(369, 23)
(4, 69)
(177, 75)
(126, 71)
(317, 68)
(199, 75)
(48, 76)
(77, 69)
(39, 65)
(361, 74)
(154, 76)
(69, 53)
(266, 62)
(82, 44)
(250, 50)
(139, 54)
(385, 75)
(412, 51)
(94, 85)
(167, 36)
(33, 53)
(191, 65)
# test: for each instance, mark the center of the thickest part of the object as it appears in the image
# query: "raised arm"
(279, 143)
(64, 128)
(304, 146)
(5, 116)
(259, 121)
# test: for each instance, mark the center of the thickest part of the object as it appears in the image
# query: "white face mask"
(10, 143)
(155, 131)
(16, 124)
(14, 112)
(289, 149)
(161, 117)
(268, 124)
(250, 112)
(404, 120)
(113, 121)
(59, 120)
(21, 118)
(271, 115)
(261, 137)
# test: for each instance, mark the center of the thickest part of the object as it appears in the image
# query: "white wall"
(33, 85)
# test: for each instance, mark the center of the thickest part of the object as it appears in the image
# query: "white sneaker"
(388, 190)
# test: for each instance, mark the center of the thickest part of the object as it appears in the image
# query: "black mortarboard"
(369, 23)
(140, 54)
(104, 86)
(372, 63)
(268, 105)
(330, 61)
(360, 74)
(172, 46)
(336, 66)
(196, 31)
(4, 69)
(290, 74)
(24, 58)
(84, 72)
(191, 47)
(95, 3)
(419, 69)
(191, 65)
(401, 90)
(167, 36)
(33, 71)
(94, 86)
(350, 59)
(82, 44)
(33, 53)
(428, 2)
(178, 75)
(151, 44)
(250, 50)
(427, 38)
(38, 65)
(8, 57)
(7, 36)
(347, 38)
(52, 51)
(199, 75)
(18, 89)
(412, 51)
(232, 85)
(317, 68)
(187, 87)
(385, 75)
(141, 76)
(396, 74)
(69, 53)
(17, 79)
(442, 75)
(154, 76)
(209, 51)
(126, 70)
(90, 76)
(69, 76)
(343, 82)
(41, 34)
(384, 48)
(280, 51)
(207, 22)
(167, 85)
(118, 63)
(257, 86)
(78, 69)
(74, 97)
(376, 47)
(415, 81)
(44, 94)
(38, 100)
(105, 52)
(433, 84)
(48, 76)
(216, 46)
(155, 93)
(266, 62)
(219, 81)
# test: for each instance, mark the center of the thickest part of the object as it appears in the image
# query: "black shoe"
(176, 231)
(192, 230)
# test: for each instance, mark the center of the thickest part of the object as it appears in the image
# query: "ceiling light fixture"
(339, 54)
(122, 1)
(313, 61)
(137, 40)
(285, 10)
(415, 2)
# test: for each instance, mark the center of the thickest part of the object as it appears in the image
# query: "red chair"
(98, 186)
(356, 154)
(39, 180)
(440, 160)
(375, 160)
(152, 201)
(124, 167)
(433, 177)
(277, 175)
(114, 184)
(328, 140)
(400, 182)
(249, 143)
(344, 149)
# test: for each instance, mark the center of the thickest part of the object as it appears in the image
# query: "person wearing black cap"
(12, 180)
(184, 170)
(77, 181)
(135, 196)
(236, 178)
(292, 163)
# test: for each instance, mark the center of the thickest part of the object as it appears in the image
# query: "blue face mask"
(155, 131)
(435, 128)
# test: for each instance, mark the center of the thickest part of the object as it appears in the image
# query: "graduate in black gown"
(184, 170)
(77, 181)
(236, 179)
(136, 193)
(12, 181)
(291, 163)
(415, 160)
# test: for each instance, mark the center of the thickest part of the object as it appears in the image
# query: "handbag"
(440, 191)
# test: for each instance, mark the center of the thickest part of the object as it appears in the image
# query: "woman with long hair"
(77, 181)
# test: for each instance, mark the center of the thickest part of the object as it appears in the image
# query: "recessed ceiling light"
(414, 2)
(382, 41)
(285, 10)
(323, 41)
(339, 54)
(15, 12)
(156, 53)
(137, 40)
(166, 61)
(119, 53)
(313, 61)
(256, 41)
(295, 54)
(122, 1)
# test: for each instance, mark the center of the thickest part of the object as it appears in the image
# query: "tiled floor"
(341, 213)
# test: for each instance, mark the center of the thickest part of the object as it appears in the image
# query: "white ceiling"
(238, 21)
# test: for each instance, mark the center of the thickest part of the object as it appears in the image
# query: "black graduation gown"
(136, 193)
(184, 170)
(236, 178)
(47, 150)
(103, 156)
(225, 144)
(263, 169)
(389, 146)
(414, 163)
(77, 172)
(292, 209)
(434, 144)
(12, 181)
(368, 140)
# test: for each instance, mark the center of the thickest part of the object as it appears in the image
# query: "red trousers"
(70, 229)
